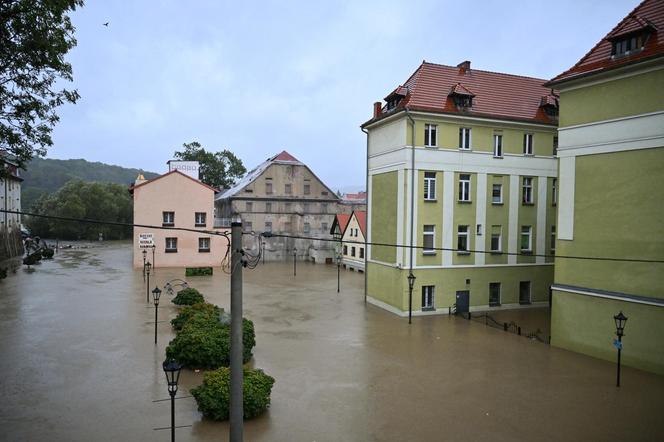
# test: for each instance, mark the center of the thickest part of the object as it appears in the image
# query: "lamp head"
(620, 320)
(411, 280)
(172, 371)
(156, 294)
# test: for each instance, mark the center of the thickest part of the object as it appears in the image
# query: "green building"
(611, 198)
(467, 158)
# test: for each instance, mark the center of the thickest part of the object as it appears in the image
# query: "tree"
(35, 36)
(217, 169)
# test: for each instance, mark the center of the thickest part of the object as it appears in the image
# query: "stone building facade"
(10, 199)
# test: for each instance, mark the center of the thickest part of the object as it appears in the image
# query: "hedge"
(204, 309)
(213, 396)
(188, 296)
(198, 271)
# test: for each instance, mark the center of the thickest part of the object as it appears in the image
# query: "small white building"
(352, 230)
(10, 199)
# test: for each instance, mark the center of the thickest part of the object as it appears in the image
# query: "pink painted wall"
(175, 192)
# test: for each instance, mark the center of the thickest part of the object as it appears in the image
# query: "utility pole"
(237, 412)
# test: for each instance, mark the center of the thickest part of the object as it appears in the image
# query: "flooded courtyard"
(79, 364)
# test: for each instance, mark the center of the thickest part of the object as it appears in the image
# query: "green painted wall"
(618, 212)
(384, 216)
(585, 324)
(387, 285)
(618, 98)
(497, 214)
(430, 213)
(464, 214)
(551, 214)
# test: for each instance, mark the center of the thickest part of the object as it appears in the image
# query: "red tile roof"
(648, 15)
(459, 89)
(361, 217)
(342, 220)
(285, 156)
(497, 95)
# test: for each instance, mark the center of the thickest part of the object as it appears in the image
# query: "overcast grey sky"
(260, 77)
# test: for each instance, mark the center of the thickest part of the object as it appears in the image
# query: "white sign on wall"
(145, 240)
(187, 167)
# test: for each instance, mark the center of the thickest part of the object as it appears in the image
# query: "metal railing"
(511, 327)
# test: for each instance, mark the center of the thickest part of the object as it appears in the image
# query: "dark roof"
(504, 96)
(648, 16)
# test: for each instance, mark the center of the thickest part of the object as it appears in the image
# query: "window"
(307, 188)
(553, 238)
(268, 207)
(171, 245)
(430, 135)
(462, 239)
(352, 251)
(288, 189)
(200, 219)
(361, 252)
(203, 245)
(268, 186)
(324, 193)
(249, 226)
(494, 294)
(323, 227)
(323, 207)
(307, 227)
(628, 45)
(464, 187)
(305, 207)
(288, 207)
(555, 145)
(527, 144)
(496, 239)
(526, 238)
(527, 196)
(427, 297)
(524, 292)
(345, 250)
(429, 239)
(249, 206)
(497, 194)
(430, 186)
(268, 226)
(478, 230)
(554, 191)
(168, 218)
(498, 146)
(464, 138)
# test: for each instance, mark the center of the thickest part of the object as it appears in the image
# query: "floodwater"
(78, 363)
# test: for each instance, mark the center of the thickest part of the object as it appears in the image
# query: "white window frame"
(430, 186)
(203, 249)
(200, 221)
(306, 227)
(428, 297)
(165, 215)
(429, 230)
(528, 144)
(493, 197)
(500, 239)
(529, 234)
(464, 187)
(465, 138)
(527, 190)
(173, 242)
(268, 226)
(463, 234)
(497, 145)
(430, 131)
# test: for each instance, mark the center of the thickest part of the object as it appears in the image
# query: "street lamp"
(153, 261)
(172, 371)
(338, 270)
(294, 261)
(263, 254)
(620, 320)
(156, 294)
(145, 254)
(411, 284)
(148, 266)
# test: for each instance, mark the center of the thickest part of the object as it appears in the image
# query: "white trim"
(610, 76)
(480, 119)
(480, 218)
(400, 213)
(445, 310)
(432, 251)
(513, 219)
(459, 266)
(406, 261)
(369, 217)
(540, 233)
(385, 306)
(448, 216)
(603, 295)
(517, 306)
(565, 205)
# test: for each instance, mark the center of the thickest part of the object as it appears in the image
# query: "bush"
(188, 296)
(198, 271)
(203, 309)
(204, 343)
(213, 396)
(47, 252)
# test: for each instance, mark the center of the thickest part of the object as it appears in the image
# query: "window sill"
(497, 204)
(525, 302)
(203, 250)
(463, 149)
(464, 202)
(167, 224)
(427, 253)
(428, 309)
(528, 154)
(526, 252)
(171, 251)
(496, 252)
(430, 200)
(463, 253)
(494, 305)
(200, 225)
(497, 158)
(527, 204)
(431, 147)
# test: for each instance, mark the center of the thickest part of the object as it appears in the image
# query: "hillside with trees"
(47, 176)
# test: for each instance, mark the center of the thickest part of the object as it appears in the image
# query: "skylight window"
(629, 44)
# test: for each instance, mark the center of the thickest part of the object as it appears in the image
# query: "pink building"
(176, 200)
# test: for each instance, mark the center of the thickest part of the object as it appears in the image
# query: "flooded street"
(79, 364)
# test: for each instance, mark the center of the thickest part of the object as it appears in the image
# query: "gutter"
(412, 201)
(366, 234)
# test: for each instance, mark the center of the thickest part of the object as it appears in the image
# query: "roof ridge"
(489, 72)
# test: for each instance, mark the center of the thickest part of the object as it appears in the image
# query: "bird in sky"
(106, 24)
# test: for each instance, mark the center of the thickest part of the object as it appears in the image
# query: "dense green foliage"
(35, 36)
(216, 169)
(198, 271)
(188, 296)
(204, 343)
(203, 309)
(46, 176)
(213, 396)
(47, 252)
(79, 199)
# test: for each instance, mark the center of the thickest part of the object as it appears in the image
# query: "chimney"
(464, 66)
(139, 179)
(378, 109)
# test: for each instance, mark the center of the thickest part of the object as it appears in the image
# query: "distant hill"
(47, 176)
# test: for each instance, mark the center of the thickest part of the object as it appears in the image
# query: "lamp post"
(156, 294)
(294, 261)
(263, 254)
(145, 254)
(411, 284)
(153, 261)
(620, 320)
(338, 271)
(172, 371)
(148, 266)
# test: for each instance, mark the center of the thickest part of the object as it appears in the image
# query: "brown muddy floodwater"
(78, 363)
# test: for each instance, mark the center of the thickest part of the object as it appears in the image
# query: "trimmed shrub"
(198, 271)
(47, 252)
(204, 343)
(188, 296)
(203, 309)
(213, 396)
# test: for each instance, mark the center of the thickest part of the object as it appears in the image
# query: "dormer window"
(549, 104)
(395, 97)
(462, 97)
(391, 104)
(628, 45)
